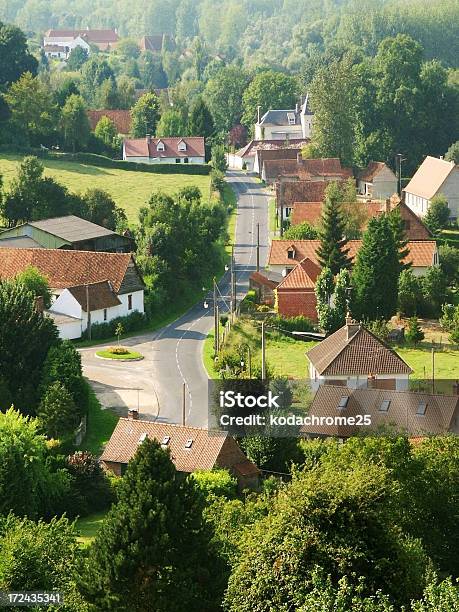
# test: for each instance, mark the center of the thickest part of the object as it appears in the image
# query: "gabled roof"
(306, 212)
(141, 147)
(421, 252)
(323, 167)
(300, 191)
(95, 36)
(372, 170)
(281, 117)
(121, 119)
(303, 276)
(65, 269)
(401, 413)
(354, 351)
(273, 168)
(151, 43)
(100, 295)
(71, 228)
(19, 242)
(207, 450)
(430, 176)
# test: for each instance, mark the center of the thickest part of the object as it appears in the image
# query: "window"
(130, 301)
(291, 254)
(105, 314)
(421, 410)
(186, 160)
(165, 441)
(177, 160)
(189, 443)
(384, 406)
(142, 438)
(343, 401)
(182, 146)
(160, 146)
(291, 118)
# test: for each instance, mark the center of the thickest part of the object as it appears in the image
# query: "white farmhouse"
(294, 123)
(105, 285)
(376, 181)
(148, 150)
(60, 47)
(434, 176)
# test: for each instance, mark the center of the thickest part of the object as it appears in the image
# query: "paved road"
(173, 355)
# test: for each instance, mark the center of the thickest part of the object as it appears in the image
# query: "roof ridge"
(178, 425)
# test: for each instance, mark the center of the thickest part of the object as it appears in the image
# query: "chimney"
(386, 206)
(297, 108)
(258, 113)
(352, 327)
(133, 414)
(441, 157)
(39, 303)
(148, 138)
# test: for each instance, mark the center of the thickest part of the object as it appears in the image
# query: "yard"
(128, 188)
(88, 527)
(286, 356)
(101, 424)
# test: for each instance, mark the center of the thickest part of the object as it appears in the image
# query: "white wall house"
(376, 181)
(148, 150)
(434, 177)
(282, 124)
(61, 47)
(401, 381)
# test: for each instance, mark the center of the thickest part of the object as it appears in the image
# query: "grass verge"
(100, 426)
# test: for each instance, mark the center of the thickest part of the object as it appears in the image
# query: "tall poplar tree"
(152, 551)
(332, 253)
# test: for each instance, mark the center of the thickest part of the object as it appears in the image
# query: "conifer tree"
(332, 252)
(152, 551)
(200, 122)
(376, 271)
(401, 240)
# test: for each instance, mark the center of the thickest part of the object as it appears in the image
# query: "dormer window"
(291, 118)
(160, 146)
(421, 409)
(291, 254)
(182, 145)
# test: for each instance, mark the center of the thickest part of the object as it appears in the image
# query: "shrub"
(57, 413)
(414, 333)
(290, 324)
(217, 482)
(217, 180)
(118, 350)
(379, 328)
(132, 322)
(90, 482)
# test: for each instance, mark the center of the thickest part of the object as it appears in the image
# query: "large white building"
(60, 47)
(434, 176)
(293, 123)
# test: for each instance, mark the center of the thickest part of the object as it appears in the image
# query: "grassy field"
(286, 356)
(129, 189)
(88, 527)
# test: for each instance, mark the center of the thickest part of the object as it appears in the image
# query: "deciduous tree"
(145, 115)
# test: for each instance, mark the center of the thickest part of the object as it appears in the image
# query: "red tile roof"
(206, 451)
(140, 147)
(306, 212)
(421, 255)
(273, 168)
(100, 295)
(303, 276)
(256, 145)
(300, 191)
(65, 269)
(121, 119)
(326, 167)
(354, 351)
(94, 36)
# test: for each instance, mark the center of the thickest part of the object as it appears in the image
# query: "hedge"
(106, 162)
(132, 322)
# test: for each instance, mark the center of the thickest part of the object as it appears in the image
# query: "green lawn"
(129, 189)
(286, 356)
(101, 424)
(89, 526)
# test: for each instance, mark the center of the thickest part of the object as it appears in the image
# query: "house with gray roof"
(284, 124)
(69, 232)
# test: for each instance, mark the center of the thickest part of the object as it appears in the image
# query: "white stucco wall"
(70, 330)
(356, 382)
(450, 189)
(163, 160)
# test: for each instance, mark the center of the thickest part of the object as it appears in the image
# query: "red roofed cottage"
(148, 150)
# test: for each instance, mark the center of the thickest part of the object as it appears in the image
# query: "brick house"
(262, 156)
(246, 157)
(353, 357)
(295, 293)
(191, 449)
(415, 414)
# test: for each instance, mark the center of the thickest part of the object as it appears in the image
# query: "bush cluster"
(131, 322)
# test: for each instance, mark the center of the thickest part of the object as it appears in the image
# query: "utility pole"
(258, 247)
(183, 404)
(250, 361)
(88, 312)
(263, 352)
(215, 320)
(398, 167)
(233, 282)
(217, 327)
(433, 370)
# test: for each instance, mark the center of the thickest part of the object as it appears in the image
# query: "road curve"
(173, 354)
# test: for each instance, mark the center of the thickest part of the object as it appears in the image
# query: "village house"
(148, 150)
(104, 40)
(191, 449)
(246, 157)
(62, 47)
(283, 124)
(376, 181)
(68, 232)
(121, 118)
(284, 255)
(269, 155)
(311, 213)
(434, 176)
(152, 43)
(353, 357)
(295, 294)
(105, 285)
(414, 414)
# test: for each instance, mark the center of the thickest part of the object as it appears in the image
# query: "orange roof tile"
(303, 276)
(121, 119)
(140, 147)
